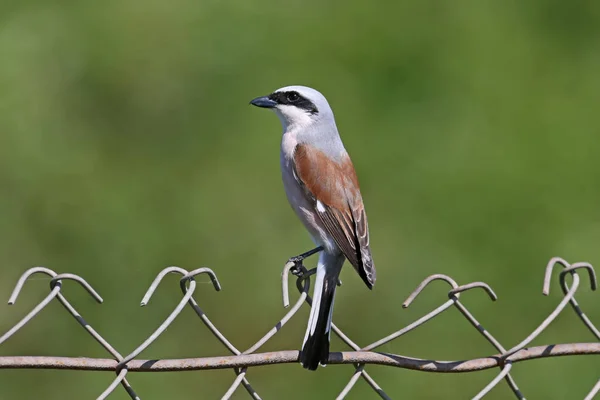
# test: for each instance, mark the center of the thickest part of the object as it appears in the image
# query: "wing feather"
(341, 211)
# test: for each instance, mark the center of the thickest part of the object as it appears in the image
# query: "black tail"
(315, 348)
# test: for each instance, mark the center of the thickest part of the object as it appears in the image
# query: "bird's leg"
(297, 267)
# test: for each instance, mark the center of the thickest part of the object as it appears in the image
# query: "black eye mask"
(294, 99)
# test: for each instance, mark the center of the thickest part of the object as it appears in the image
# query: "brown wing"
(333, 188)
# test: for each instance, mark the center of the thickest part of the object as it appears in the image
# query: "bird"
(322, 187)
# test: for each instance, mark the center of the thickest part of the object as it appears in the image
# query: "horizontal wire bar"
(291, 356)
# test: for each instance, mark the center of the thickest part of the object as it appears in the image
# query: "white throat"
(293, 118)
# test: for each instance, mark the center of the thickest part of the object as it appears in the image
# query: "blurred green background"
(127, 145)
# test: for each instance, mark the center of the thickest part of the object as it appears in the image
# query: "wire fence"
(360, 357)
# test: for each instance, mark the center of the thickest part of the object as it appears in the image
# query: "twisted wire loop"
(453, 295)
(359, 357)
(55, 288)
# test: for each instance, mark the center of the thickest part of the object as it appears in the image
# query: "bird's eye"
(292, 96)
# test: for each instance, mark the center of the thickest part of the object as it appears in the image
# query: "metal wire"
(241, 361)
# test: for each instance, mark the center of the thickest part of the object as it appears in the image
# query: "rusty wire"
(359, 357)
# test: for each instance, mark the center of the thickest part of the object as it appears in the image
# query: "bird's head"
(297, 106)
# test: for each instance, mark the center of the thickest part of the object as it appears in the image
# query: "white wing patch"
(320, 206)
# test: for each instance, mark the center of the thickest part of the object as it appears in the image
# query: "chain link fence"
(360, 356)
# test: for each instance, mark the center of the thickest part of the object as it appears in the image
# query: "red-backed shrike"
(322, 188)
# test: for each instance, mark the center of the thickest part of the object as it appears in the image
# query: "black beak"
(263, 102)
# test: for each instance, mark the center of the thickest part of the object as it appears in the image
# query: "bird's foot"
(297, 268)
